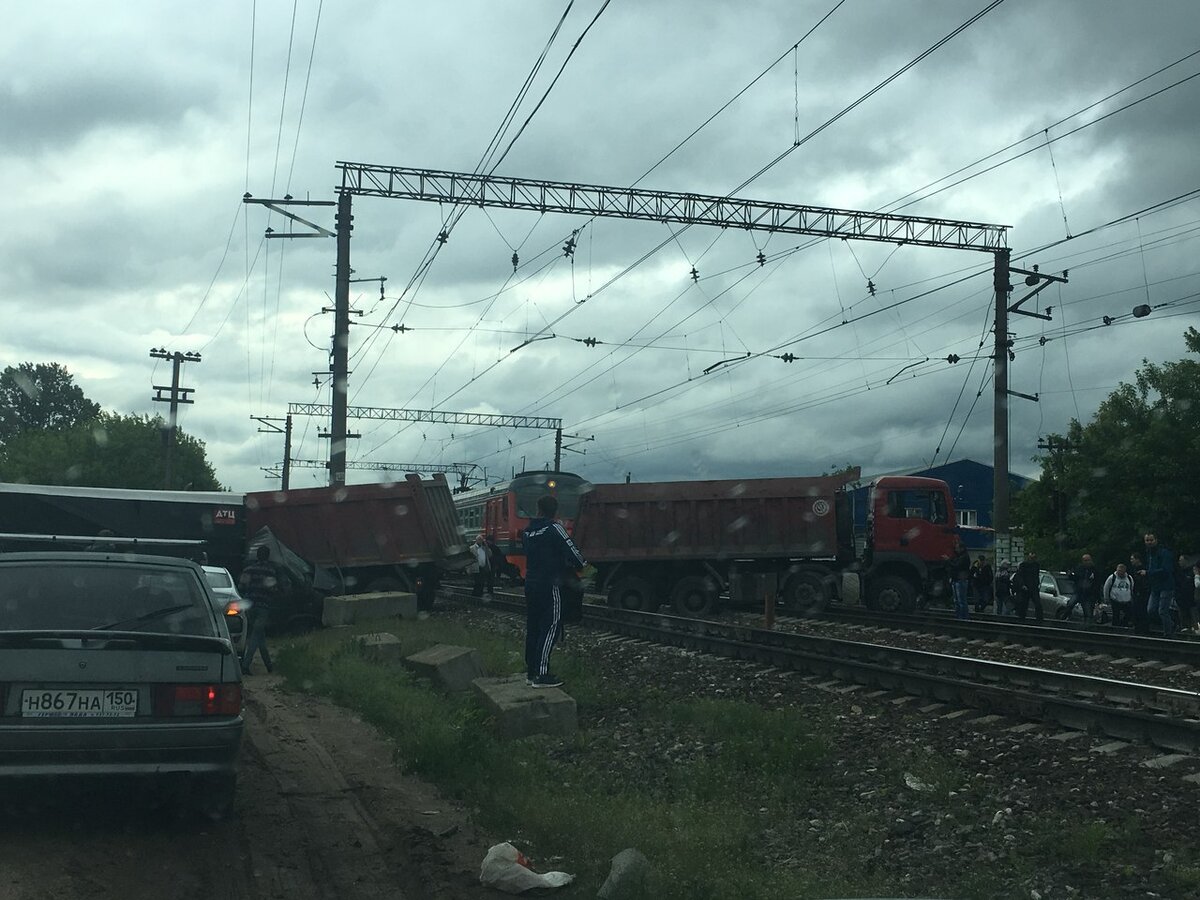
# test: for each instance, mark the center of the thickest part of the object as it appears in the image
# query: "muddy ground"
(322, 812)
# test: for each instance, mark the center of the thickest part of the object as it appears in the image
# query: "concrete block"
(380, 646)
(354, 608)
(627, 877)
(454, 668)
(521, 710)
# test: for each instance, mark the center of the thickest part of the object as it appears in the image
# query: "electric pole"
(175, 396)
(286, 431)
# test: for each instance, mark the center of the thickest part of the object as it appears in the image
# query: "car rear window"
(221, 579)
(66, 596)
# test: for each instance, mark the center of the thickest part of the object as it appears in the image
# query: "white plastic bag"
(507, 869)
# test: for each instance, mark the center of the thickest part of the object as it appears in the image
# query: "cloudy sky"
(130, 132)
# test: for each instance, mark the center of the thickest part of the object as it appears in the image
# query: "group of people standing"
(1154, 589)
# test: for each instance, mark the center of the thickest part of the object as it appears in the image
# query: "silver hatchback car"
(117, 664)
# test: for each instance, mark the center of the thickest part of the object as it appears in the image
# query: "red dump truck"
(399, 536)
(689, 542)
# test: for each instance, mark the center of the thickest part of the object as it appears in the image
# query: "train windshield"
(567, 488)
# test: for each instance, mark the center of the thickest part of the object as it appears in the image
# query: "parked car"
(117, 665)
(230, 605)
(1057, 589)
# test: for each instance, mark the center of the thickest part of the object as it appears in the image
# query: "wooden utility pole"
(175, 396)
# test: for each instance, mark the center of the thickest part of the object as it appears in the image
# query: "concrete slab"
(1150, 664)
(520, 710)
(381, 646)
(1165, 762)
(1064, 736)
(454, 668)
(956, 714)
(352, 608)
(1111, 747)
(1024, 727)
(1178, 667)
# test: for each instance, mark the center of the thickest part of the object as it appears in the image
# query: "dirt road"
(322, 812)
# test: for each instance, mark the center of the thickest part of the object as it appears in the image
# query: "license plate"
(79, 704)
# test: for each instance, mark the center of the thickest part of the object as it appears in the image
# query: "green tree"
(41, 397)
(111, 451)
(1134, 468)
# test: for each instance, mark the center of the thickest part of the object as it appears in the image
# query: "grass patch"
(729, 773)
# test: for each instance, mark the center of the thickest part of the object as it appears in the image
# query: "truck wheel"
(892, 594)
(804, 594)
(694, 595)
(632, 592)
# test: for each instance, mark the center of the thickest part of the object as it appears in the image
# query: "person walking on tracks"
(1026, 582)
(549, 555)
(260, 584)
(1002, 589)
(484, 582)
(1141, 594)
(960, 574)
(982, 577)
(1160, 571)
(1084, 576)
(1118, 594)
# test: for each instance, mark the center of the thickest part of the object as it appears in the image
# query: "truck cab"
(911, 533)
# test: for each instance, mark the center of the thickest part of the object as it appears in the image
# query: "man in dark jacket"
(1026, 582)
(1160, 570)
(1003, 588)
(1084, 576)
(261, 585)
(960, 573)
(982, 579)
(1141, 594)
(549, 555)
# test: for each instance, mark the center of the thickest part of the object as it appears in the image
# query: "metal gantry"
(471, 189)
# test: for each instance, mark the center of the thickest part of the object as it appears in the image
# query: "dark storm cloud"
(56, 114)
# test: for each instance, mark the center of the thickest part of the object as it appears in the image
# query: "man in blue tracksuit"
(549, 553)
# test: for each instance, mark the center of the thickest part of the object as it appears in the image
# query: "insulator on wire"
(695, 274)
(516, 260)
(762, 259)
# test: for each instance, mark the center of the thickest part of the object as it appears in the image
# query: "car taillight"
(197, 699)
(232, 609)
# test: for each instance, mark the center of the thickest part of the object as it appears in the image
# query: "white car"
(232, 606)
(1056, 590)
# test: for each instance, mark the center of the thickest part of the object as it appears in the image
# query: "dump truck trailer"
(687, 543)
(398, 536)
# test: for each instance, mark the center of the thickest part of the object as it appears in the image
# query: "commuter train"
(503, 510)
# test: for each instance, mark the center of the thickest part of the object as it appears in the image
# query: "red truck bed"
(406, 522)
(731, 519)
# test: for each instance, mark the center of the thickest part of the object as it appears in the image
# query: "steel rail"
(1163, 717)
(1110, 641)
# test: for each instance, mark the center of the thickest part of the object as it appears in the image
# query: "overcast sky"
(129, 133)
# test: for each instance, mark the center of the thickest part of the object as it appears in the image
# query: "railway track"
(1122, 710)
(1109, 641)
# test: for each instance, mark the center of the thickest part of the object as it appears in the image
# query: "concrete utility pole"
(341, 345)
(175, 396)
(286, 431)
(1039, 282)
